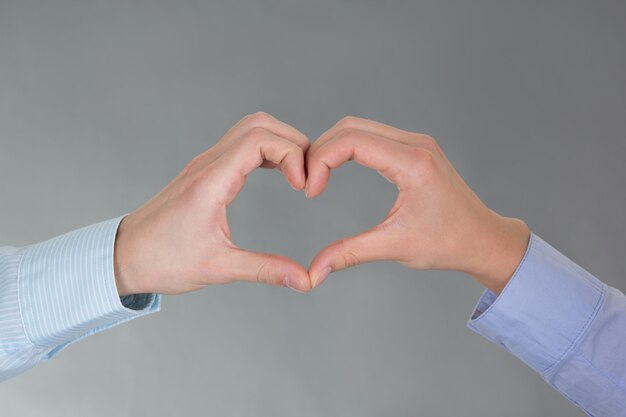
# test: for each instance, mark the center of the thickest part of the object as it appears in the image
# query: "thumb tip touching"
(294, 276)
(319, 277)
(314, 186)
(321, 266)
(266, 268)
(297, 181)
(297, 283)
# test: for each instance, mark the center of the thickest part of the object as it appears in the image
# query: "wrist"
(497, 251)
(123, 281)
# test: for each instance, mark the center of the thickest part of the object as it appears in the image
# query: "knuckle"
(203, 178)
(293, 147)
(429, 141)
(260, 117)
(420, 155)
(347, 121)
(191, 166)
(294, 153)
(350, 259)
(287, 150)
(431, 144)
(348, 134)
(256, 134)
(311, 160)
(423, 161)
(304, 144)
(199, 161)
(263, 275)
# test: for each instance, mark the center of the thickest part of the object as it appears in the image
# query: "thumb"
(372, 245)
(266, 268)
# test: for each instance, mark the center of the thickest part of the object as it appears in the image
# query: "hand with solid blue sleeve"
(437, 221)
(539, 305)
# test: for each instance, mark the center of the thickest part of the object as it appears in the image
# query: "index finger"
(368, 149)
(391, 132)
(268, 122)
(258, 120)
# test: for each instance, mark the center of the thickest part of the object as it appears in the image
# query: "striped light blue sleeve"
(564, 323)
(58, 292)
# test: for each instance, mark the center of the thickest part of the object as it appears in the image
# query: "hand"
(437, 222)
(179, 241)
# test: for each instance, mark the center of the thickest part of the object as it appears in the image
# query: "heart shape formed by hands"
(180, 240)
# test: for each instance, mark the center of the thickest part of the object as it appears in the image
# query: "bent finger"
(268, 122)
(241, 129)
(381, 129)
(260, 147)
(373, 151)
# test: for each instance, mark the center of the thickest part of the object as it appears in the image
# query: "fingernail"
(306, 190)
(323, 274)
(294, 284)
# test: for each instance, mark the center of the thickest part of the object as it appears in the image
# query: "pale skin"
(436, 222)
(179, 241)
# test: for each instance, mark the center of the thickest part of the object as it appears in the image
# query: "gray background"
(102, 102)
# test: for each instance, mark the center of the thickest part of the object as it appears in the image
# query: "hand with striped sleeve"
(180, 241)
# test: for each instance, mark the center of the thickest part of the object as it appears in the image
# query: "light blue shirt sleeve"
(565, 324)
(58, 292)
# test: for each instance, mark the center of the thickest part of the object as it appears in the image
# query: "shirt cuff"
(543, 311)
(67, 288)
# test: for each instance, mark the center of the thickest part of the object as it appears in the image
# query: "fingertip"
(320, 268)
(318, 278)
(307, 186)
(295, 183)
(301, 181)
(295, 177)
(312, 194)
(295, 276)
(297, 283)
(307, 190)
(316, 182)
(306, 145)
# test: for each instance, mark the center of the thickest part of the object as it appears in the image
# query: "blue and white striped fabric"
(58, 292)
